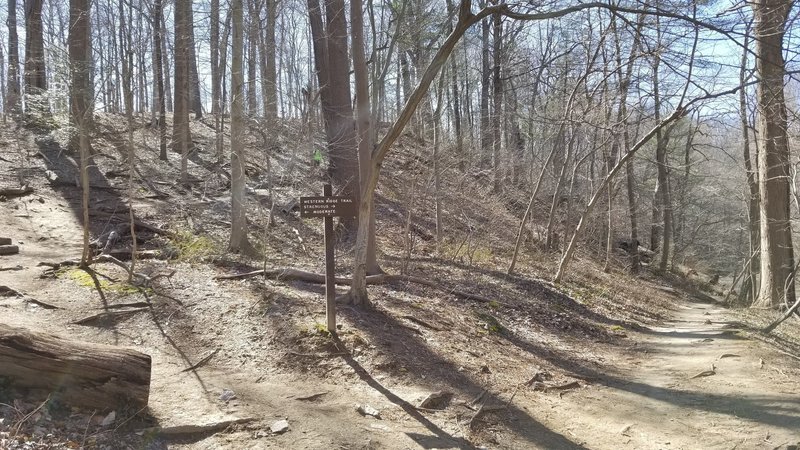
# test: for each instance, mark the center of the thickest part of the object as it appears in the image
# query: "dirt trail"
(665, 395)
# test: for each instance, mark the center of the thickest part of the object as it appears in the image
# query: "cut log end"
(76, 373)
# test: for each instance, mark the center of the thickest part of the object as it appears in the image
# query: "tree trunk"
(158, 59)
(76, 373)
(497, 100)
(36, 106)
(35, 76)
(254, 11)
(270, 77)
(80, 95)
(624, 82)
(215, 68)
(363, 120)
(181, 134)
(239, 240)
(13, 86)
(195, 100)
(333, 70)
(462, 158)
(358, 290)
(777, 256)
(486, 79)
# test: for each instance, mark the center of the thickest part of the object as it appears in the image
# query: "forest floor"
(603, 361)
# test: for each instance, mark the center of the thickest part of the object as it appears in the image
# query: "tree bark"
(363, 120)
(158, 60)
(269, 81)
(13, 86)
(35, 76)
(77, 373)
(777, 255)
(751, 278)
(239, 240)
(181, 134)
(333, 71)
(80, 89)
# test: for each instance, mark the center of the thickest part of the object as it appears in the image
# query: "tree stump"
(77, 373)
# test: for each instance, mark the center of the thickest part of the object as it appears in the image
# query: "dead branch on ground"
(310, 277)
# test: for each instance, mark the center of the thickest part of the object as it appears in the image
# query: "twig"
(107, 315)
(202, 362)
(41, 303)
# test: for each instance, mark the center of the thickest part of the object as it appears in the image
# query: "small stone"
(227, 395)
(366, 410)
(280, 426)
(437, 400)
(109, 419)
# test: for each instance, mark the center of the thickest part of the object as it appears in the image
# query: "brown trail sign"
(328, 207)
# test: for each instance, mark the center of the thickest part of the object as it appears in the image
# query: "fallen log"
(76, 373)
(16, 192)
(9, 249)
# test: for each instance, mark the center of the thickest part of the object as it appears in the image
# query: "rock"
(436, 400)
(366, 410)
(227, 395)
(109, 419)
(279, 427)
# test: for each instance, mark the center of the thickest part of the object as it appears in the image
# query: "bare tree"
(181, 134)
(777, 254)
(239, 241)
(13, 87)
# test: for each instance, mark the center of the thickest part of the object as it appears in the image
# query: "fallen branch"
(539, 386)
(6, 291)
(310, 277)
(422, 322)
(312, 397)
(202, 362)
(780, 320)
(180, 430)
(41, 303)
(107, 315)
(129, 305)
(483, 410)
(16, 192)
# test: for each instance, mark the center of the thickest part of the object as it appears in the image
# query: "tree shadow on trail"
(384, 330)
(760, 408)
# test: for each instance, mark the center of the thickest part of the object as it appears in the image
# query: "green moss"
(190, 247)
(488, 324)
(83, 279)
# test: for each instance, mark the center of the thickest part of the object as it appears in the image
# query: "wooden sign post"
(328, 207)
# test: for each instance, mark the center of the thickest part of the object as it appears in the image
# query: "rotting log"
(76, 373)
(9, 249)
